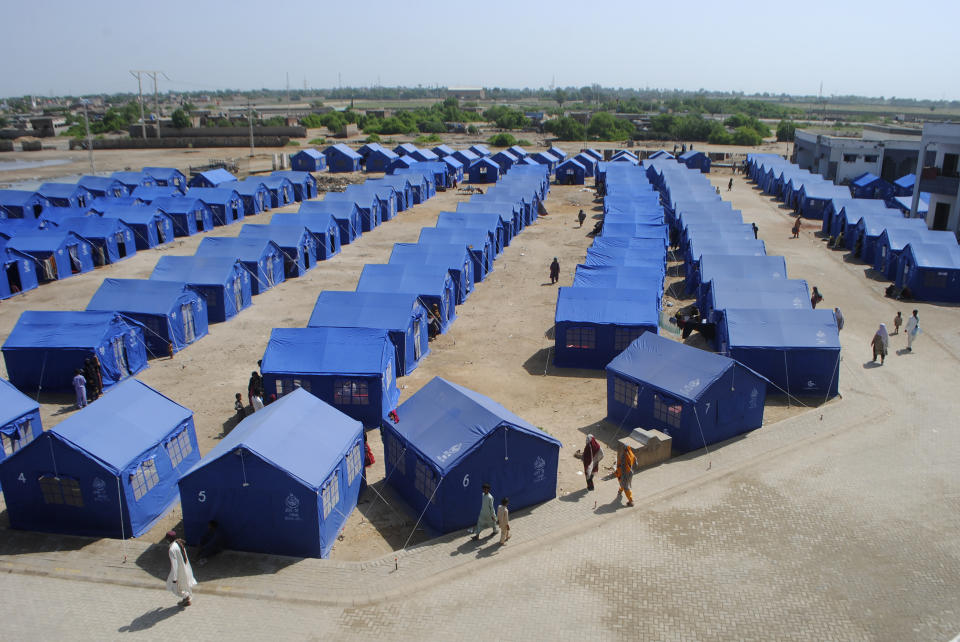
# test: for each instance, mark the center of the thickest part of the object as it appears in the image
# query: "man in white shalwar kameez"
(180, 581)
(488, 516)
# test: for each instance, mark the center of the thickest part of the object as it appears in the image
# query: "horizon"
(848, 48)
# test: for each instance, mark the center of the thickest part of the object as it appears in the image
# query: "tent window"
(623, 337)
(179, 447)
(581, 338)
(144, 478)
(625, 392)
(19, 439)
(667, 411)
(61, 490)
(354, 463)
(350, 392)
(331, 493)
(289, 385)
(395, 455)
(933, 279)
(425, 482)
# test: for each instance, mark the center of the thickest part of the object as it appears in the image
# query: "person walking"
(487, 517)
(912, 330)
(815, 298)
(838, 315)
(91, 372)
(756, 229)
(554, 271)
(592, 454)
(503, 519)
(255, 391)
(880, 343)
(796, 228)
(625, 463)
(80, 388)
(180, 580)
(730, 185)
(582, 216)
(897, 322)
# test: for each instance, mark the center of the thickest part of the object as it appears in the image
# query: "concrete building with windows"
(888, 152)
(939, 176)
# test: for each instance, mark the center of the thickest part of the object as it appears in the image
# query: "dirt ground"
(500, 344)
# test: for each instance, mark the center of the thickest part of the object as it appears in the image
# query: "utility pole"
(86, 120)
(250, 121)
(143, 120)
(153, 73)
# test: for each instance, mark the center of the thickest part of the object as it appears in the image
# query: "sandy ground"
(500, 345)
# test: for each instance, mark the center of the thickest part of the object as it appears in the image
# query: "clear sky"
(879, 48)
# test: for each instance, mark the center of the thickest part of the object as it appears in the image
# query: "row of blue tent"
(924, 262)
(778, 335)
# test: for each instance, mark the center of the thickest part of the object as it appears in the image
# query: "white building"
(938, 175)
(884, 151)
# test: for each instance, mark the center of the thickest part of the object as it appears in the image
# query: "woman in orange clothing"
(625, 462)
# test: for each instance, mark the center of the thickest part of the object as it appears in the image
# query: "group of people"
(88, 382)
(626, 464)
(498, 520)
(880, 343)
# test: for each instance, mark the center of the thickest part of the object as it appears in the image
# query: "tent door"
(49, 266)
(120, 356)
(417, 350)
(270, 279)
(161, 232)
(13, 277)
(99, 256)
(189, 327)
(306, 256)
(75, 266)
(238, 293)
(198, 216)
(235, 211)
(121, 245)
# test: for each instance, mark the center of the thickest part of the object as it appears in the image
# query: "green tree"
(561, 96)
(786, 131)
(605, 126)
(566, 128)
(503, 139)
(746, 136)
(179, 119)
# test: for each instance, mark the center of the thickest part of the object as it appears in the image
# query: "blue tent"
(505, 160)
(509, 216)
(405, 149)
(518, 151)
(424, 155)
(16, 203)
(304, 184)
(618, 276)
(903, 186)
(262, 258)
(59, 253)
(377, 194)
(545, 158)
(432, 283)
(280, 188)
(497, 230)
(65, 194)
(442, 151)
(370, 205)
(868, 229)
(454, 170)
(225, 203)
(102, 204)
(222, 281)
(904, 203)
(283, 482)
(353, 369)
(416, 186)
(167, 177)
(730, 292)
(308, 160)
(150, 226)
(254, 194)
(695, 159)
(346, 214)
(112, 239)
(402, 185)
(718, 266)
(341, 158)
(401, 163)
(454, 257)
(466, 157)
(589, 163)
(480, 150)
(697, 397)
(19, 271)
(475, 239)
(380, 160)
(556, 151)
(103, 187)
(19, 420)
(110, 470)
(321, 225)
(212, 178)
(893, 240)
(450, 441)
(133, 180)
(366, 148)
(871, 186)
(171, 313)
(190, 215)
(798, 351)
(153, 192)
(571, 172)
(45, 348)
(403, 316)
(297, 244)
(593, 325)
(931, 271)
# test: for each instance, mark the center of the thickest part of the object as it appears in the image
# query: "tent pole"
(123, 535)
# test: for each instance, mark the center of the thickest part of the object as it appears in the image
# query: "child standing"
(897, 322)
(503, 519)
(238, 406)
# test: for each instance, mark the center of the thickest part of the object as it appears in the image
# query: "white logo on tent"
(691, 385)
(449, 452)
(99, 490)
(821, 336)
(538, 469)
(291, 508)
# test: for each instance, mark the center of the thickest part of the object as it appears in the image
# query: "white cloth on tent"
(180, 581)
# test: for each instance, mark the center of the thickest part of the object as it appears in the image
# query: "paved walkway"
(839, 523)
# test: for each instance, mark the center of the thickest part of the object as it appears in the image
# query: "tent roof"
(572, 162)
(452, 162)
(445, 422)
(298, 433)
(906, 181)
(137, 295)
(176, 204)
(390, 311)
(213, 194)
(335, 207)
(283, 234)
(386, 153)
(900, 237)
(343, 149)
(865, 179)
(93, 226)
(201, 270)
(40, 240)
(217, 176)
(693, 153)
(731, 291)
(133, 214)
(125, 423)
(327, 350)
(130, 178)
(681, 370)
(613, 306)
(311, 152)
(13, 403)
(415, 279)
(244, 249)
(61, 329)
(906, 202)
(446, 149)
(61, 190)
(774, 329)
(713, 266)
(317, 222)
(935, 255)
(16, 196)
